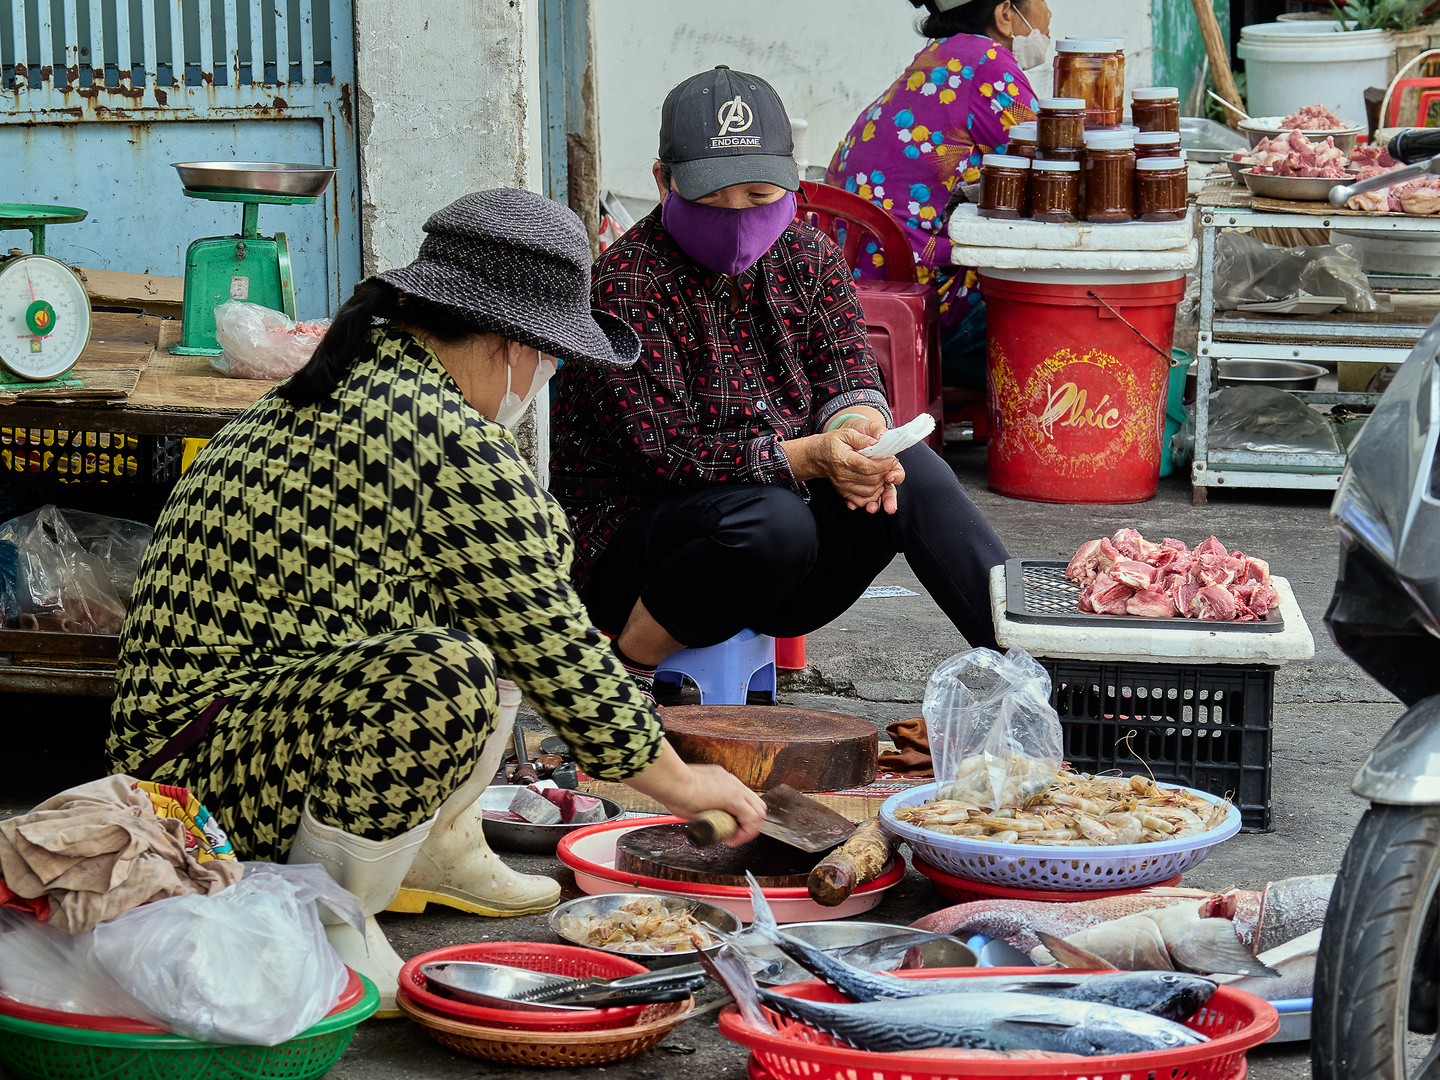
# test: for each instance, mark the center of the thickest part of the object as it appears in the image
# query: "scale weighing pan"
(255, 177)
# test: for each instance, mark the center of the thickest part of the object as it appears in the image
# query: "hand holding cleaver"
(790, 817)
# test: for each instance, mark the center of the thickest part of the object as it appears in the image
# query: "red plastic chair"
(901, 315)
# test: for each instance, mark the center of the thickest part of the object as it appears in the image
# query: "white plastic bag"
(996, 740)
(261, 343)
(250, 964)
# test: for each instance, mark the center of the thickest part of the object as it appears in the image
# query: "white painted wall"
(828, 59)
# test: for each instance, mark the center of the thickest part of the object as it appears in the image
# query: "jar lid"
(1046, 165)
(1061, 103)
(1153, 164)
(1090, 45)
(1027, 130)
(1005, 161)
(1109, 140)
(1156, 138)
(1155, 93)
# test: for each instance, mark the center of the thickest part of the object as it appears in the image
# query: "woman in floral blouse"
(955, 102)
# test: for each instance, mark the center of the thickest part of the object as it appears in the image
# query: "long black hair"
(975, 17)
(348, 336)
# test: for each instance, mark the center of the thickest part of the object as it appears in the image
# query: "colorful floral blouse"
(917, 140)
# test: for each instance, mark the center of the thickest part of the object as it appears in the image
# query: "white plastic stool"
(725, 673)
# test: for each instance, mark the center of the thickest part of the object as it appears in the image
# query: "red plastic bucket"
(1078, 373)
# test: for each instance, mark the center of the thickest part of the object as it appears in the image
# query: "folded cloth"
(912, 749)
(99, 850)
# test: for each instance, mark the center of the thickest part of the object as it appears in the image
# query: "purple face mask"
(726, 241)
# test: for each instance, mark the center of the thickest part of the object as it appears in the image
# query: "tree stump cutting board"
(665, 852)
(765, 745)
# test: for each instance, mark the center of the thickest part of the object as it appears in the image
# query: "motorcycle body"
(1376, 1008)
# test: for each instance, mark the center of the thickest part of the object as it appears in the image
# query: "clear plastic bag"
(1263, 418)
(261, 343)
(1247, 269)
(63, 583)
(250, 964)
(994, 736)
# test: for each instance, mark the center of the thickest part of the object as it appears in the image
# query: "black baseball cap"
(725, 127)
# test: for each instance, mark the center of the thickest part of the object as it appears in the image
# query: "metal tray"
(260, 177)
(1205, 140)
(1037, 591)
(1291, 188)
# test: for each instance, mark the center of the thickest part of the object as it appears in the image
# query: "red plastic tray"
(964, 891)
(1234, 1021)
(353, 992)
(756, 1071)
(569, 960)
(894, 872)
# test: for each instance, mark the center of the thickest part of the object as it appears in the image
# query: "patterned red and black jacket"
(715, 390)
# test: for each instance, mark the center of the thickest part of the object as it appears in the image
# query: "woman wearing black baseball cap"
(355, 580)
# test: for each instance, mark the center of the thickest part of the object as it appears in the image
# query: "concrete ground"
(873, 663)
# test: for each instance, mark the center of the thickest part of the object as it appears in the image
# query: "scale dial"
(44, 317)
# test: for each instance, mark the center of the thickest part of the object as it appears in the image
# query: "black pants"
(711, 563)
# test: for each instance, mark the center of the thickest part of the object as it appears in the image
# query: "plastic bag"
(1246, 270)
(63, 582)
(261, 343)
(250, 964)
(995, 738)
(1263, 418)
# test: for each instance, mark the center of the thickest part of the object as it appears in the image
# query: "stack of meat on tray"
(1128, 575)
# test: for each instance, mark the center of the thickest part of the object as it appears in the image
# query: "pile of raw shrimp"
(1078, 810)
(647, 925)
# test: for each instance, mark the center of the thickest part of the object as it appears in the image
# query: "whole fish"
(997, 1021)
(1294, 960)
(1173, 995)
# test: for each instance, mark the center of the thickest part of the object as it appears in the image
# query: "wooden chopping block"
(765, 745)
(665, 852)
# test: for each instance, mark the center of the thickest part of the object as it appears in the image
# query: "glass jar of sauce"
(1004, 186)
(1094, 69)
(1110, 176)
(1155, 108)
(1022, 139)
(1150, 144)
(1055, 190)
(1061, 124)
(1160, 189)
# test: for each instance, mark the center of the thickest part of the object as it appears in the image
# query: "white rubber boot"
(372, 870)
(455, 866)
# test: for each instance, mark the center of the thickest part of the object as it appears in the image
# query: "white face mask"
(1031, 49)
(512, 406)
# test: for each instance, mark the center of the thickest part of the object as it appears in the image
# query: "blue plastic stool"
(727, 672)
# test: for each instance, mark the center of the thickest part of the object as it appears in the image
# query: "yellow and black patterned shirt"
(395, 505)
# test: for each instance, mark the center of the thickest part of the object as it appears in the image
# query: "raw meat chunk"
(1110, 596)
(1214, 603)
(1137, 575)
(1153, 603)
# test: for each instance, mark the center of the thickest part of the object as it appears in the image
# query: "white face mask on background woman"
(512, 406)
(1031, 49)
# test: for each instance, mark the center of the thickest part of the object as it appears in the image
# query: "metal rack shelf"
(1368, 338)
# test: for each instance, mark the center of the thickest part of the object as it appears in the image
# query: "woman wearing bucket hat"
(346, 581)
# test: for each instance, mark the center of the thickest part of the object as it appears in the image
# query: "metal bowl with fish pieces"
(607, 903)
(255, 177)
(1291, 188)
(506, 835)
(839, 937)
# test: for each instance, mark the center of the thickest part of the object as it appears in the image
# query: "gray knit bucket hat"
(516, 264)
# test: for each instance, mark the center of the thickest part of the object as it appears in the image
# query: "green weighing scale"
(44, 309)
(249, 266)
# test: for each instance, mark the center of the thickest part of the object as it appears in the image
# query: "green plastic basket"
(46, 1052)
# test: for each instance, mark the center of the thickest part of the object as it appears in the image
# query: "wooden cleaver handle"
(712, 827)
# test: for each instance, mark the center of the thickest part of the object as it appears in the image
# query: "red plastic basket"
(123, 1025)
(964, 891)
(1234, 1021)
(567, 960)
(756, 1071)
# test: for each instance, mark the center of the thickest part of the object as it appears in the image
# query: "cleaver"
(790, 817)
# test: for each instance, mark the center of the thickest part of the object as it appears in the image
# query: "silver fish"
(1169, 994)
(997, 1021)
(1294, 960)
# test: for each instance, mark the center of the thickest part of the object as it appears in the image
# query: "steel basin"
(518, 836)
(710, 914)
(1281, 374)
(257, 177)
(842, 935)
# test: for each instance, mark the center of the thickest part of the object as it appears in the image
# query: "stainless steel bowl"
(1281, 374)
(255, 177)
(523, 836)
(709, 914)
(1291, 188)
(945, 952)
(1267, 127)
(1237, 168)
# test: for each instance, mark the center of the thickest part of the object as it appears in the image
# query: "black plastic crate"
(72, 456)
(1207, 726)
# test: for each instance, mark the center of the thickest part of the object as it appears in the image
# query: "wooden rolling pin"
(856, 862)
